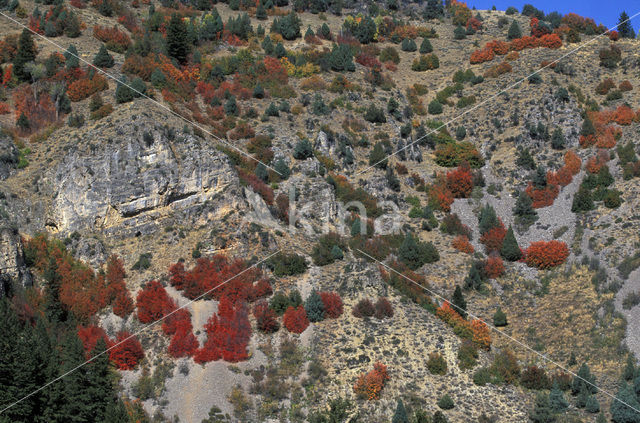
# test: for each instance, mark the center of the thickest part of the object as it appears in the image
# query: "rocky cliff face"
(12, 264)
(8, 156)
(136, 175)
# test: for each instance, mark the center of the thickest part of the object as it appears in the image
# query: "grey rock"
(13, 269)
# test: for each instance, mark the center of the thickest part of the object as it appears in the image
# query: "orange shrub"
(440, 196)
(604, 86)
(608, 137)
(572, 162)
(562, 177)
(462, 244)
(594, 164)
(550, 41)
(113, 38)
(623, 115)
(481, 334)
(542, 197)
(513, 55)
(481, 56)
(313, 83)
(369, 385)
(4, 109)
(460, 181)
(494, 267)
(85, 88)
(614, 35)
(493, 238)
(543, 255)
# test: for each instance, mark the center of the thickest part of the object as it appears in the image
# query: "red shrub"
(625, 86)
(228, 334)
(180, 318)
(544, 255)
(493, 238)
(572, 162)
(4, 109)
(623, 115)
(261, 289)
(562, 177)
(177, 275)
(126, 352)
(460, 181)
(474, 24)
(440, 196)
(183, 343)
(85, 88)
(123, 304)
(369, 61)
(498, 47)
(114, 38)
(462, 244)
(89, 337)
(480, 334)
(497, 70)
(542, 197)
(153, 302)
(481, 56)
(266, 318)
(295, 319)
(383, 308)
(369, 385)
(494, 267)
(550, 41)
(257, 186)
(332, 304)
(614, 35)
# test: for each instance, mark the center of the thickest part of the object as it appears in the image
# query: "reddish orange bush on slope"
(369, 385)
(295, 319)
(543, 255)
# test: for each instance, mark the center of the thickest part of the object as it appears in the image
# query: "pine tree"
(103, 59)
(624, 26)
(177, 39)
(124, 94)
(584, 381)
(630, 368)
(487, 219)
(592, 405)
(514, 31)
(26, 53)
(557, 139)
(262, 173)
(23, 122)
(433, 9)
(540, 178)
(542, 411)
(337, 253)
(556, 398)
(53, 307)
(378, 157)
(117, 412)
(76, 398)
(623, 410)
(510, 249)
(356, 227)
(587, 127)
(524, 211)
(400, 416)
(314, 307)
(459, 303)
(98, 382)
(18, 367)
(499, 318)
(426, 46)
(476, 276)
(211, 26)
(281, 167)
(303, 150)
(279, 51)
(582, 200)
(71, 57)
(261, 12)
(267, 45)
(459, 33)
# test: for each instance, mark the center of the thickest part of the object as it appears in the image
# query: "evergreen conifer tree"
(510, 249)
(426, 46)
(542, 412)
(314, 307)
(103, 59)
(177, 39)
(625, 29)
(499, 318)
(459, 303)
(514, 31)
(26, 53)
(400, 415)
(557, 139)
(556, 399)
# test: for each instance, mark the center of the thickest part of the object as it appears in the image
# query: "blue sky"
(606, 13)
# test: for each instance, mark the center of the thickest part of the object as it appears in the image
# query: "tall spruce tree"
(557, 399)
(625, 29)
(623, 410)
(510, 249)
(314, 307)
(542, 412)
(177, 39)
(433, 9)
(103, 59)
(26, 53)
(459, 303)
(514, 31)
(400, 416)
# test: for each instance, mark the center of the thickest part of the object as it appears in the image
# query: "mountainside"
(321, 211)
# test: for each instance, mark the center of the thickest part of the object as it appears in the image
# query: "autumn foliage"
(542, 197)
(494, 267)
(228, 334)
(369, 385)
(85, 87)
(113, 38)
(460, 181)
(572, 162)
(462, 244)
(153, 302)
(496, 47)
(332, 302)
(544, 255)
(126, 352)
(475, 330)
(295, 319)
(493, 238)
(219, 277)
